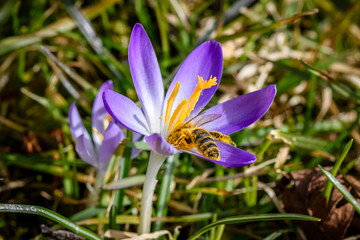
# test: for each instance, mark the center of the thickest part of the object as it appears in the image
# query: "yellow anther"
(184, 109)
(171, 101)
(99, 134)
(106, 121)
(206, 84)
(177, 114)
(194, 98)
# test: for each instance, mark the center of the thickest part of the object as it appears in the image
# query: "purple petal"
(136, 136)
(204, 61)
(159, 145)
(242, 111)
(86, 148)
(99, 112)
(230, 156)
(146, 75)
(112, 138)
(125, 111)
(87, 154)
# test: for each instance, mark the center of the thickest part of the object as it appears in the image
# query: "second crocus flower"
(106, 134)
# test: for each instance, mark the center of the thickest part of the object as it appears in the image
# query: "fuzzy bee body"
(205, 143)
(189, 135)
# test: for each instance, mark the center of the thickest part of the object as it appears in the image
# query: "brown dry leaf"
(30, 142)
(305, 196)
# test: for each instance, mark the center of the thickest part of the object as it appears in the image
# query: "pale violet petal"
(241, 111)
(99, 113)
(230, 156)
(205, 61)
(112, 138)
(146, 75)
(125, 112)
(159, 145)
(85, 153)
(78, 131)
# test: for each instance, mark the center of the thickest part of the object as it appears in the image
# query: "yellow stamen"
(195, 97)
(177, 114)
(99, 134)
(106, 122)
(171, 101)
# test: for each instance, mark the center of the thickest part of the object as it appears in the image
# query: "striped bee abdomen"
(205, 143)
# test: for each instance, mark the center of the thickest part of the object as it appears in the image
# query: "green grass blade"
(268, 28)
(80, 80)
(5, 10)
(219, 232)
(164, 194)
(344, 134)
(94, 41)
(310, 104)
(274, 235)
(230, 14)
(123, 173)
(87, 213)
(254, 218)
(342, 189)
(300, 141)
(139, 145)
(30, 209)
(341, 158)
(112, 217)
(62, 25)
(334, 171)
(126, 182)
(333, 83)
(349, 166)
(85, 27)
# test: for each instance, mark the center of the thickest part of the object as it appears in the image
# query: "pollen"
(171, 101)
(178, 113)
(106, 122)
(202, 85)
(184, 109)
(99, 134)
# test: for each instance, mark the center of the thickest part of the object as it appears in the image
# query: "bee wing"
(202, 119)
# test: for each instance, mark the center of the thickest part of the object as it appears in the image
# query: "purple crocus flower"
(187, 95)
(106, 136)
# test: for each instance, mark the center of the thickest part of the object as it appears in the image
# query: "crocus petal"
(241, 112)
(159, 145)
(99, 112)
(146, 75)
(78, 129)
(125, 111)
(85, 153)
(205, 61)
(112, 138)
(230, 156)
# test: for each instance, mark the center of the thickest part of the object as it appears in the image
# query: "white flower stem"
(95, 193)
(155, 162)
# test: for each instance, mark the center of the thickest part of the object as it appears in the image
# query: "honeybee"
(190, 135)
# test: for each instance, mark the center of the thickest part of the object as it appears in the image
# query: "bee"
(190, 134)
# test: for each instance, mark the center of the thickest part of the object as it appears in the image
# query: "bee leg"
(183, 140)
(223, 138)
(179, 138)
(187, 140)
